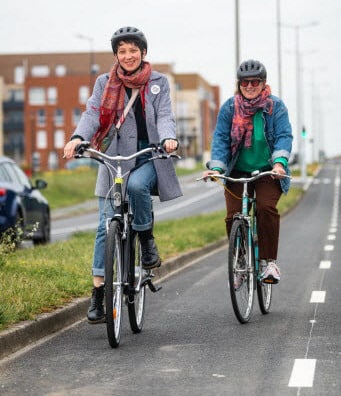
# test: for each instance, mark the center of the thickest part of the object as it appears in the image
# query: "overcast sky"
(199, 36)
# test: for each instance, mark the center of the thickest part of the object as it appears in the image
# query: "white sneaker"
(271, 273)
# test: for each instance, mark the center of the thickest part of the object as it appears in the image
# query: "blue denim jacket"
(277, 130)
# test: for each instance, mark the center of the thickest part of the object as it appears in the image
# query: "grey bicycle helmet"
(251, 68)
(128, 33)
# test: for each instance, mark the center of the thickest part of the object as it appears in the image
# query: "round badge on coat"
(155, 89)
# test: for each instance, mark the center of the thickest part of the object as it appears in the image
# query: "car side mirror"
(40, 184)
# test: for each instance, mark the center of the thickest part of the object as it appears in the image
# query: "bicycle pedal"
(152, 287)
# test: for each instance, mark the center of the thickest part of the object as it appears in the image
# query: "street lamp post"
(91, 56)
(279, 50)
(301, 139)
(237, 32)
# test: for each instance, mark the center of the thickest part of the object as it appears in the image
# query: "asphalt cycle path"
(193, 345)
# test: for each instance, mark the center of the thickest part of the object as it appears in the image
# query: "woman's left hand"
(170, 145)
(279, 169)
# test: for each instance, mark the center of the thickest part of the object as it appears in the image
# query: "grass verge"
(40, 279)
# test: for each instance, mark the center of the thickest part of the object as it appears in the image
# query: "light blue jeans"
(141, 183)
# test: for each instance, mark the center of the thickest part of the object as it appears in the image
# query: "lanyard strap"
(134, 94)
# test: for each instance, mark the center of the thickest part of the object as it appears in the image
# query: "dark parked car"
(22, 204)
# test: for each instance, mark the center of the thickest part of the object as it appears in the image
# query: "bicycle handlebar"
(244, 179)
(83, 147)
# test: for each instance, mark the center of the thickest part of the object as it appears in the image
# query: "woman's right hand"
(69, 149)
(208, 173)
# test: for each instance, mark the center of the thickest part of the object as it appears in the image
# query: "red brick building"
(51, 91)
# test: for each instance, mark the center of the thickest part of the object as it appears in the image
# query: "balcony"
(13, 125)
(13, 105)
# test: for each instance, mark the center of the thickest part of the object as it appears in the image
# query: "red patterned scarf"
(244, 110)
(112, 103)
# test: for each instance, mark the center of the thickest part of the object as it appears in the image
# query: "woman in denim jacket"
(253, 132)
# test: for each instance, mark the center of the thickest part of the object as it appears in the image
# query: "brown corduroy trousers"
(268, 192)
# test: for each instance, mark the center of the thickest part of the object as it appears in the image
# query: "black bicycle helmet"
(128, 33)
(251, 68)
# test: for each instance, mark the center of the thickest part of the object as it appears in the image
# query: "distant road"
(199, 197)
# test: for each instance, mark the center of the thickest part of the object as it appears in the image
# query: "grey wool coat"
(160, 125)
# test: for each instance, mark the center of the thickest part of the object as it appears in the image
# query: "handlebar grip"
(81, 147)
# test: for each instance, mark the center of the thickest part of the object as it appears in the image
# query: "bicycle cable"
(217, 180)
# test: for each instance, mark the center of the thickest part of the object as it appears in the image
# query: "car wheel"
(45, 231)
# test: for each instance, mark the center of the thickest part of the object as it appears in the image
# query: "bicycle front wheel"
(240, 270)
(264, 292)
(113, 283)
(137, 296)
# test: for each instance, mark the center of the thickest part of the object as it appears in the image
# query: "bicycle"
(125, 279)
(244, 272)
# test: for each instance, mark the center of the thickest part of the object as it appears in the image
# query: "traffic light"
(304, 132)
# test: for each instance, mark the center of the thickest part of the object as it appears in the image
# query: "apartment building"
(43, 96)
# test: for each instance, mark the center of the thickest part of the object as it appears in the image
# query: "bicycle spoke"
(113, 284)
(241, 279)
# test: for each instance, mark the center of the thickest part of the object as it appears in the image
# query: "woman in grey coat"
(149, 121)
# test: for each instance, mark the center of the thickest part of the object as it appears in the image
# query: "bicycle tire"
(241, 274)
(113, 283)
(264, 293)
(136, 299)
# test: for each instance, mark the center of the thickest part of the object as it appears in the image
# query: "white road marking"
(302, 374)
(328, 248)
(325, 264)
(318, 296)
(331, 237)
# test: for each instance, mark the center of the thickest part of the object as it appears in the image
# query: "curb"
(29, 332)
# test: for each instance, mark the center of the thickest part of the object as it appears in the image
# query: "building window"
(52, 95)
(19, 74)
(40, 71)
(41, 117)
(76, 116)
(58, 117)
(17, 95)
(59, 139)
(83, 94)
(41, 139)
(52, 160)
(36, 96)
(60, 70)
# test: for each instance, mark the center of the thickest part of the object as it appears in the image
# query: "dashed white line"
(325, 264)
(302, 374)
(318, 296)
(328, 248)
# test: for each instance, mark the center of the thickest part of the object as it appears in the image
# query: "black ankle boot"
(150, 255)
(96, 309)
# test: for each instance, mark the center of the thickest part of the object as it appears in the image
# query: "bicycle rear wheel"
(241, 275)
(113, 283)
(136, 298)
(264, 292)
